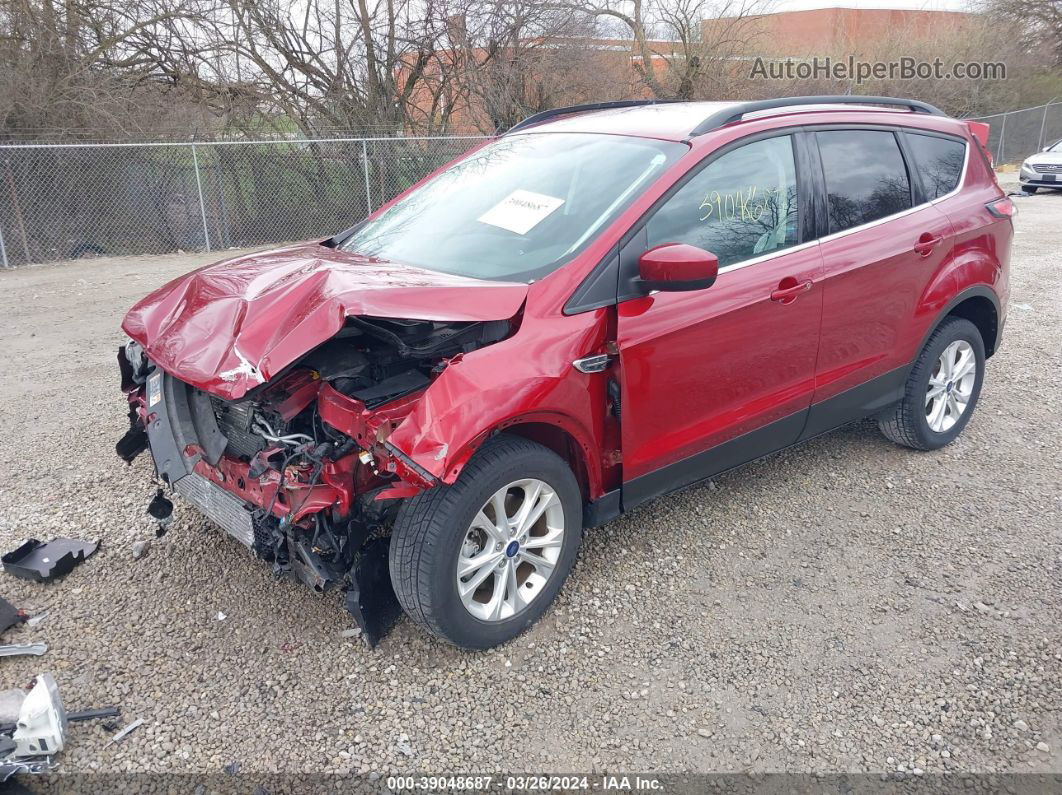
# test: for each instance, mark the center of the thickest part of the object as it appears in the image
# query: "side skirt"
(856, 403)
(747, 447)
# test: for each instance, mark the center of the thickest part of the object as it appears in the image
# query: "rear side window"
(742, 205)
(866, 178)
(939, 162)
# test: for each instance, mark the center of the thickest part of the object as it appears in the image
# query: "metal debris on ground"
(93, 714)
(9, 726)
(121, 735)
(41, 727)
(21, 649)
(40, 561)
(33, 621)
(10, 767)
(33, 733)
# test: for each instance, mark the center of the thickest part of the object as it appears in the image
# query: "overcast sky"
(801, 5)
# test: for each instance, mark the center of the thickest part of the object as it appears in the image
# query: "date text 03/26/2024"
(524, 783)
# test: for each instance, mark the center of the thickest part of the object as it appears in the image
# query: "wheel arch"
(984, 314)
(555, 431)
(978, 304)
(562, 442)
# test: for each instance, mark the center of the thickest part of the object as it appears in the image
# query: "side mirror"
(675, 267)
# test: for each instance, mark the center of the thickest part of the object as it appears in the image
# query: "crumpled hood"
(228, 327)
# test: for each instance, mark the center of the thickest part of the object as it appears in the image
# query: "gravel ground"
(845, 606)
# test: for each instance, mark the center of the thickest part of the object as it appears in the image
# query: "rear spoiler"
(980, 132)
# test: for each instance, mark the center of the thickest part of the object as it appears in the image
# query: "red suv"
(601, 306)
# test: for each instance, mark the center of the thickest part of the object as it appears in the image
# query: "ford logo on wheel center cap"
(512, 549)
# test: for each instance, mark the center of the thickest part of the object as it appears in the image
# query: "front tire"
(478, 562)
(942, 388)
(1029, 189)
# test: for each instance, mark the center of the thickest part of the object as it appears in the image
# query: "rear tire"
(941, 392)
(522, 563)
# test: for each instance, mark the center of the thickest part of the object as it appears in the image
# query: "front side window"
(741, 205)
(519, 207)
(939, 162)
(866, 178)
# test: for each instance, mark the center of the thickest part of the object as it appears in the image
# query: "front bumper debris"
(313, 526)
(220, 507)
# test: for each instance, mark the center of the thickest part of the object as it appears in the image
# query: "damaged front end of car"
(299, 468)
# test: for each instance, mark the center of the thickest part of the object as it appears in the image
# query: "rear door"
(883, 243)
(715, 377)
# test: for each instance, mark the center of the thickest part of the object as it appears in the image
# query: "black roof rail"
(735, 112)
(549, 114)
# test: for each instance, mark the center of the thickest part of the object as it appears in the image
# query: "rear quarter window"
(939, 162)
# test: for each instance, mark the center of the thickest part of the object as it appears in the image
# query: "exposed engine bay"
(300, 469)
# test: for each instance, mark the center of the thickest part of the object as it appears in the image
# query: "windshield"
(519, 207)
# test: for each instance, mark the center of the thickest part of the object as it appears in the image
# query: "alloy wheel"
(510, 550)
(951, 386)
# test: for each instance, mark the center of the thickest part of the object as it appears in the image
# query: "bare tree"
(1039, 21)
(674, 53)
(386, 65)
(967, 39)
(324, 63)
(82, 65)
(523, 57)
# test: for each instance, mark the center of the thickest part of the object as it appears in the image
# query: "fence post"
(3, 249)
(1002, 133)
(365, 170)
(202, 206)
(1043, 124)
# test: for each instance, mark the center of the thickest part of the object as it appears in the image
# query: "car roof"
(675, 121)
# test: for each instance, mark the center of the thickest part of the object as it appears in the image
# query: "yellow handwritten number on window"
(731, 205)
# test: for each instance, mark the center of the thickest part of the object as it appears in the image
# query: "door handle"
(787, 295)
(926, 243)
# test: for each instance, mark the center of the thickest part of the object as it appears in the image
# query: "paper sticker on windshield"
(521, 211)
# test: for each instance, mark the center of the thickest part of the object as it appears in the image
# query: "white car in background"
(1042, 170)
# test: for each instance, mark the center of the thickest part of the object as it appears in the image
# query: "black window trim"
(905, 134)
(909, 161)
(824, 224)
(596, 289)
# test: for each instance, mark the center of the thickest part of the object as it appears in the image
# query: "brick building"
(843, 31)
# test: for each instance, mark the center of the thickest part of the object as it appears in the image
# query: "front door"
(715, 377)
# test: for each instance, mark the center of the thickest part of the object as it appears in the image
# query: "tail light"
(1002, 208)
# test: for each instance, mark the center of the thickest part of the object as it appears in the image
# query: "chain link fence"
(1016, 134)
(61, 202)
(66, 201)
